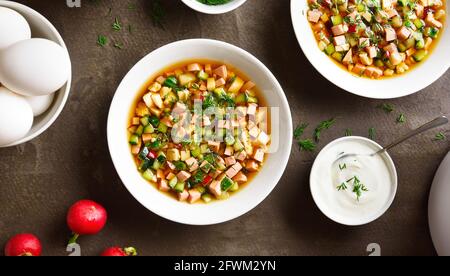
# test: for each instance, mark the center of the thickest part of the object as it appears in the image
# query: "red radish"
(23, 245)
(206, 180)
(152, 154)
(119, 252)
(86, 217)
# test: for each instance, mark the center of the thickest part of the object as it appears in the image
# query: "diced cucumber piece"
(203, 75)
(204, 148)
(201, 189)
(143, 154)
(330, 49)
(219, 92)
(397, 22)
(229, 140)
(139, 130)
(403, 3)
(361, 7)
(149, 129)
(337, 56)
(420, 44)
(420, 55)
(162, 128)
(156, 165)
(410, 42)
(402, 48)
(235, 187)
(207, 198)
(161, 158)
(180, 165)
(134, 140)
(238, 146)
(336, 20)
(379, 63)
(145, 165)
(207, 167)
(240, 99)
(154, 121)
(173, 182)
(179, 188)
(432, 32)
(145, 121)
(251, 99)
(419, 23)
(224, 196)
(149, 175)
(226, 184)
(196, 151)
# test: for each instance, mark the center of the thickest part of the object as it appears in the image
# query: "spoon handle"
(439, 121)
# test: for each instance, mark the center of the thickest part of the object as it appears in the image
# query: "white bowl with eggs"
(214, 9)
(354, 190)
(406, 84)
(35, 74)
(255, 191)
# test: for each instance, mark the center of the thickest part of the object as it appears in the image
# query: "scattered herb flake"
(342, 166)
(300, 130)
(388, 108)
(440, 136)
(372, 133)
(348, 132)
(102, 40)
(401, 118)
(323, 126)
(342, 187)
(116, 25)
(307, 145)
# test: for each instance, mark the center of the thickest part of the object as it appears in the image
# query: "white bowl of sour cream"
(355, 190)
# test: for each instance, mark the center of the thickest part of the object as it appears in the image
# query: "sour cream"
(355, 190)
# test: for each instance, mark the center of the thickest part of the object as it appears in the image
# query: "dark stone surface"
(41, 179)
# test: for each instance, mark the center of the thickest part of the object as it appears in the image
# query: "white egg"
(34, 67)
(13, 27)
(40, 104)
(16, 117)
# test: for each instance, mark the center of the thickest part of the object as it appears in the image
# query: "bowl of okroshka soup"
(194, 131)
(375, 48)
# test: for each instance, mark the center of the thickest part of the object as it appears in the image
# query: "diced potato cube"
(142, 110)
(211, 84)
(155, 87)
(187, 78)
(173, 155)
(156, 98)
(236, 85)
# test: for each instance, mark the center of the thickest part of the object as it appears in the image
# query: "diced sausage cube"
(214, 146)
(263, 138)
(230, 161)
(339, 40)
(359, 69)
(221, 71)
(254, 132)
(229, 151)
(241, 155)
(215, 188)
(391, 48)
(251, 110)
(183, 196)
(314, 15)
(194, 196)
(430, 20)
(247, 86)
(192, 164)
(395, 59)
(338, 30)
(163, 186)
(183, 176)
(220, 82)
(252, 166)
(403, 33)
(348, 58)
(240, 178)
(364, 42)
(390, 34)
(372, 51)
(259, 155)
(194, 67)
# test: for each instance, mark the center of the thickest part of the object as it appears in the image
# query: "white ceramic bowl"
(415, 80)
(159, 203)
(42, 28)
(217, 9)
(316, 175)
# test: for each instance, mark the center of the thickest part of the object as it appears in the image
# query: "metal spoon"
(439, 121)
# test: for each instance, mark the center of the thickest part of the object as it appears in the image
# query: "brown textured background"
(41, 179)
